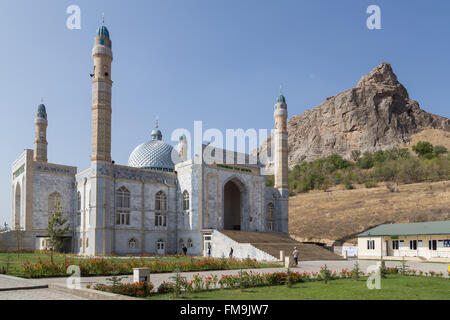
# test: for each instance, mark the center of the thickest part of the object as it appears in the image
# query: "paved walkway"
(14, 285)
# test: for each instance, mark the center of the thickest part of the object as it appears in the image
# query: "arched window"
(181, 243)
(190, 243)
(160, 209)
(269, 217)
(122, 206)
(79, 209)
(185, 200)
(54, 202)
(132, 243)
(18, 200)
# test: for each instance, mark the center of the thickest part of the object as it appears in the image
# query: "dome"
(103, 31)
(154, 154)
(41, 108)
(281, 98)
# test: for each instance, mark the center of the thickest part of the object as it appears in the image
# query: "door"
(207, 242)
(160, 247)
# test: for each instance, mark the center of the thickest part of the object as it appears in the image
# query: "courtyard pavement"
(9, 283)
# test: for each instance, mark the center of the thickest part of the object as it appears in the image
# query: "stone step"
(272, 243)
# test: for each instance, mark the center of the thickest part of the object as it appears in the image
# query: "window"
(87, 242)
(132, 243)
(432, 245)
(269, 217)
(185, 200)
(181, 243)
(394, 244)
(190, 243)
(160, 209)
(370, 244)
(412, 244)
(81, 243)
(122, 206)
(79, 209)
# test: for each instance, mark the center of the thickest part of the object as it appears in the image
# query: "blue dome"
(41, 108)
(155, 155)
(281, 98)
(103, 31)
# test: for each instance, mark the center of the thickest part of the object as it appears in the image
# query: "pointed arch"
(160, 209)
(186, 200)
(123, 206)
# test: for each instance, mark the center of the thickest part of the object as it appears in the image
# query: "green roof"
(409, 229)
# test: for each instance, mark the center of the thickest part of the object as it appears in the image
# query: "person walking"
(295, 254)
(209, 251)
(184, 250)
(231, 253)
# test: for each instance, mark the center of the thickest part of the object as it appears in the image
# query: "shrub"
(138, 289)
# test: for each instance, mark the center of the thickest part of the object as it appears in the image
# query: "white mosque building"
(152, 205)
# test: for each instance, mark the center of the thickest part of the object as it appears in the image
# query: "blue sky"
(219, 61)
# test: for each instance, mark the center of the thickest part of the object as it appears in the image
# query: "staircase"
(272, 243)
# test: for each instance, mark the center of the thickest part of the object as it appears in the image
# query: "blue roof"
(103, 31)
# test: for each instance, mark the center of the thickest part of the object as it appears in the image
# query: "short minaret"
(101, 96)
(182, 148)
(281, 146)
(40, 141)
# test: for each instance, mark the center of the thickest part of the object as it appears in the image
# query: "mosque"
(158, 203)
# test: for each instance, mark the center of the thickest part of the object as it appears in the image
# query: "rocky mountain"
(376, 114)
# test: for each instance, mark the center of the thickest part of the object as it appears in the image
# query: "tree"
(56, 229)
(366, 162)
(355, 155)
(438, 150)
(422, 148)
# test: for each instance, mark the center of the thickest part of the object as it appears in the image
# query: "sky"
(218, 61)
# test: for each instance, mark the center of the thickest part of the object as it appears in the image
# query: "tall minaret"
(281, 146)
(182, 148)
(101, 97)
(40, 141)
(101, 230)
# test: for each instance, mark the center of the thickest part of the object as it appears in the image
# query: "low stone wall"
(222, 244)
(8, 240)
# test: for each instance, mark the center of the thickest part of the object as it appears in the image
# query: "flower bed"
(138, 289)
(106, 267)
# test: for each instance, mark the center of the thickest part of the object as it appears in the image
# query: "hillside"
(338, 215)
(377, 114)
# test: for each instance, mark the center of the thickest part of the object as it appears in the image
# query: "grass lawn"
(394, 287)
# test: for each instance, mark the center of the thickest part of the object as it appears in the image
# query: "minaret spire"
(101, 98)
(40, 141)
(281, 145)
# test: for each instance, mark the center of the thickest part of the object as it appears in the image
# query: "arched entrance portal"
(232, 205)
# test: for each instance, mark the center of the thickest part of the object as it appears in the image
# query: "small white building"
(414, 241)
